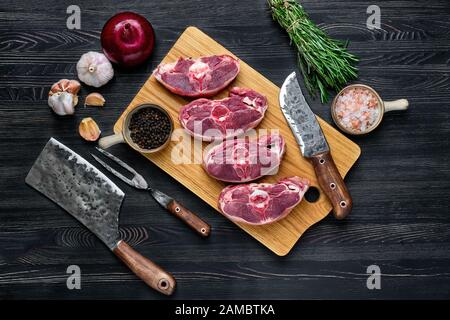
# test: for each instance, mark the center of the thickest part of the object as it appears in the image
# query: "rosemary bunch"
(325, 62)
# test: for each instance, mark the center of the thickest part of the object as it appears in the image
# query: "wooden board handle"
(148, 271)
(192, 220)
(332, 184)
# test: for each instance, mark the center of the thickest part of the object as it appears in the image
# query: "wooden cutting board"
(281, 236)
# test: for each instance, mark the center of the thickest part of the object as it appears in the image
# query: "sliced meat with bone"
(262, 203)
(220, 119)
(244, 159)
(201, 77)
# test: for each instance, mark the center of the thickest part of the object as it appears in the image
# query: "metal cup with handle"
(124, 135)
(384, 106)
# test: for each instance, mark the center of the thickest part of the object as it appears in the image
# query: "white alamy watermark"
(73, 21)
(243, 149)
(374, 20)
(74, 280)
(374, 279)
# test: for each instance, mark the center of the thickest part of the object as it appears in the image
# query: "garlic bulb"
(62, 97)
(94, 69)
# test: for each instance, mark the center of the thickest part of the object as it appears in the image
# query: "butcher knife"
(88, 195)
(313, 145)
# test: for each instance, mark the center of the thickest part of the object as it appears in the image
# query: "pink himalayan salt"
(357, 109)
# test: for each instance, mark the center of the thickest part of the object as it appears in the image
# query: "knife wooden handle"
(193, 221)
(148, 271)
(332, 184)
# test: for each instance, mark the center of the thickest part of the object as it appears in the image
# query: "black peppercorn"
(149, 128)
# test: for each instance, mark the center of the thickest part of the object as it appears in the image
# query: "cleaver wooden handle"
(332, 184)
(148, 271)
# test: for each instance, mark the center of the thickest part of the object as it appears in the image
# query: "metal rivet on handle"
(332, 185)
(163, 284)
(177, 209)
(203, 230)
(343, 204)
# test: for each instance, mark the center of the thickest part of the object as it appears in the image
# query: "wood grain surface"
(400, 185)
(281, 236)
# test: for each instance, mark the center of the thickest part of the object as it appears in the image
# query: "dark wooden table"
(400, 185)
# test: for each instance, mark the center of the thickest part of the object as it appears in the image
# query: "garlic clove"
(94, 69)
(75, 100)
(89, 129)
(94, 99)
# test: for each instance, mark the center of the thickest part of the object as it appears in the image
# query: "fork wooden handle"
(193, 221)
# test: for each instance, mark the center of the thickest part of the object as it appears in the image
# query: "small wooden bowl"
(384, 106)
(124, 136)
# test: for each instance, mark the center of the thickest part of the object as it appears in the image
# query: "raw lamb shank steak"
(201, 77)
(244, 159)
(220, 119)
(262, 203)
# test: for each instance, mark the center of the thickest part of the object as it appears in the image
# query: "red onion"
(127, 39)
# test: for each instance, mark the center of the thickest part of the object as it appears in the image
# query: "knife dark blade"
(313, 145)
(88, 195)
(301, 119)
(79, 188)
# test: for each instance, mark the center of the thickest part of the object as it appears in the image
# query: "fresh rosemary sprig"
(325, 62)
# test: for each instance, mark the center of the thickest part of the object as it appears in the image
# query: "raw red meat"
(262, 203)
(220, 119)
(201, 77)
(244, 159)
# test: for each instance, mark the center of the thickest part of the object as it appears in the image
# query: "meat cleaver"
(87, 194)
(313, 145)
